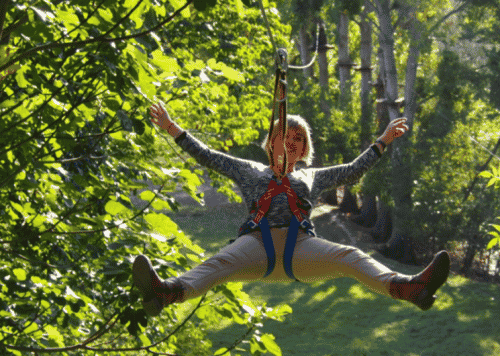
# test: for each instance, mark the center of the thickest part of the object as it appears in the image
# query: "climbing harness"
(298, 221)
(279, 160)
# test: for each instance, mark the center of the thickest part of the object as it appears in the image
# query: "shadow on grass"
(341, 317)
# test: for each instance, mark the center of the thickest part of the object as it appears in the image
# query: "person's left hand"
(396, 128)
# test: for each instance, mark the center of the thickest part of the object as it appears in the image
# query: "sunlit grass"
(342, 317)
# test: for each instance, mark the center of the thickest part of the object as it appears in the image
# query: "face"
(295, 144)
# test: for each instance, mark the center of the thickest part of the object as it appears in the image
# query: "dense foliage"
(77, 144)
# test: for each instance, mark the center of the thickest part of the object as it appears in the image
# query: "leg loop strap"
(268, 245)
(291, 240)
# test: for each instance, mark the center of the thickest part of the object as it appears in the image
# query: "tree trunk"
(348, 203)
(401, 243)
(368, 213)
(304, 49)
(322, 59)
(324, 76)
(366, 77)
(386, 39)
(344, 58)
(470, 253)
(382, 229)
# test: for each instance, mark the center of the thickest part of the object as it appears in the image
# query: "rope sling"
(279, 161)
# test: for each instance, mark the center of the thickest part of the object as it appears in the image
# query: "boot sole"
(442, 271)
(141, 274)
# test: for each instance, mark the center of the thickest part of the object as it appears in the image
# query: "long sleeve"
(235, 168)
(342, 174)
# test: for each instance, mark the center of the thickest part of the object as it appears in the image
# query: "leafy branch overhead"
(78, 152)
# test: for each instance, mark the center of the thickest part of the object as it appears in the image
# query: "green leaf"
(21, 81)
(167, 64)
(492, 181)
(144, 340)
(177, 4)
(20, 274)
(139, 126)
(147, 195)
(279, 312)
(270, 344)
(232, 74)
(125, 120)
(161, 223)
(486, 174)
(30, 327)
(221, 351)
(114, 208)
(496, 227)
(493, 242)
(159, 204)
(54, 336)
(202, 5)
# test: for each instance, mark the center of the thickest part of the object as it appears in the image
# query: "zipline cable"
(471, 138)
(315, 53)
(261, 5)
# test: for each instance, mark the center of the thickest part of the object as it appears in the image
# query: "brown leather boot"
(155, 292)
(420, 288)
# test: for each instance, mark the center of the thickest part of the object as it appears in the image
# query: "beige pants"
(314, 259)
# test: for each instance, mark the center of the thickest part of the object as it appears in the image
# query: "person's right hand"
(161, 118)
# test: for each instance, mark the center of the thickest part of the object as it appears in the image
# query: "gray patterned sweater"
(253, 178)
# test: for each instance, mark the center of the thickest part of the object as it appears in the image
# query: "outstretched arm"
(232, 167)
(350, 173)
(161, 118)
(395, 129)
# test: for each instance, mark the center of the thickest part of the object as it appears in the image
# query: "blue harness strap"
(268, 245)
(296, 222)
(291, 240)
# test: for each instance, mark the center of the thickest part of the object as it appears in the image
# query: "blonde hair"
(295, 121)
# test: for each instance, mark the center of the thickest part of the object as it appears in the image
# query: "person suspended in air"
(277, 204)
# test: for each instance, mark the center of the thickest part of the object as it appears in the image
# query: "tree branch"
(88, 17)
(237, 342)
(445, 17)
(106, 228)
(3, 10)
(118, 23)
(98, 334)
(31, 52)
(482, 168)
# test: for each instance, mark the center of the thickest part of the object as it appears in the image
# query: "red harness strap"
(296, 222)
(274, 189)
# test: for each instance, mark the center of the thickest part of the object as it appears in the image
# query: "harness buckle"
(252, 224)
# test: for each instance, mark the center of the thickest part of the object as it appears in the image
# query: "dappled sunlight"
(359, 292)
(322, 295)
(391, 331)
(444, 301)
(458, 281)
(361, 344)
(342, 317)
(489, 346)
(467, 318)
(398, 307)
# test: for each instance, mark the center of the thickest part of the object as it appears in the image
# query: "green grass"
(341, 317)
